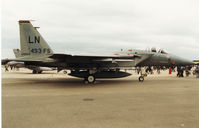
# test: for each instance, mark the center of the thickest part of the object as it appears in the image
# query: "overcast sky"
(106, 26)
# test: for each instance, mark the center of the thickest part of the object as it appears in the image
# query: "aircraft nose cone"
(187, 62)
(184, 62)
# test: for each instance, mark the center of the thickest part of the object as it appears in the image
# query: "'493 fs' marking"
(39, 50)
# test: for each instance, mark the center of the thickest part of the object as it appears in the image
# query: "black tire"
(91, 79)
(65, 72)
(39, 72)
(34, 72)
(141, 79)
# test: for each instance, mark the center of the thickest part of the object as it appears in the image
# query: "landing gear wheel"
(34, 72)
(39, 72)
(65, 72)
(91, 79)
(141, 79)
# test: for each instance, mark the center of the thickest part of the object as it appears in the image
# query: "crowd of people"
(187, 71)
(181, 70)
(149, 70)
(11, 68)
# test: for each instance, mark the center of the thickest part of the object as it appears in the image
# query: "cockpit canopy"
(159, 51)
(153, 49)
(162, 51)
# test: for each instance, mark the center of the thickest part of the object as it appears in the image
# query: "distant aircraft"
(35, 69)
(35, 51)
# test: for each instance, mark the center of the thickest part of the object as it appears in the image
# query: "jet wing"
(22, 60)
(71, 58)
(28, 59)
(90, 61)
(81, 61)
(90, 57)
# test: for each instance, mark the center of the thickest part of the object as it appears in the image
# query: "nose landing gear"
(141, 78)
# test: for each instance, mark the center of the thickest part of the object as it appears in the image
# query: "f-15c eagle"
(36, 52)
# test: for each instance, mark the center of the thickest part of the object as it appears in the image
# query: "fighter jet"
(35, 69)
(35, 51)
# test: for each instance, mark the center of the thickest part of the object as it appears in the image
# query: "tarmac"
(56, 100)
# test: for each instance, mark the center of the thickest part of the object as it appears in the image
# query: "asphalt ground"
(52, 100)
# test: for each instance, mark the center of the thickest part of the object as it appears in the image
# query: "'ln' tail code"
(31, 41)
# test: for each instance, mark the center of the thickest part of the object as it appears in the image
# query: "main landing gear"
(36, 72)
(90, 79)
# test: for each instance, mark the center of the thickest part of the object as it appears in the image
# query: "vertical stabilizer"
(31, 41)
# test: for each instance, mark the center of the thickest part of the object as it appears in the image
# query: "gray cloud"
(107, 25)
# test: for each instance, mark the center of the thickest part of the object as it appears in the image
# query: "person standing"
(178, 70)
(187, 71)
(197, 72)
(6, 68)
